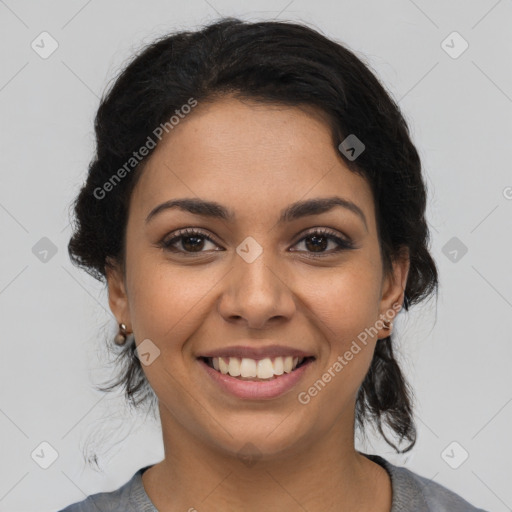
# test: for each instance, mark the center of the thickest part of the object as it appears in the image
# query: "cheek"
(168, 302)
(344, 306)
(345, 300)
(344, 316)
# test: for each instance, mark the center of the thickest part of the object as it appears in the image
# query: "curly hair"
(275, 62)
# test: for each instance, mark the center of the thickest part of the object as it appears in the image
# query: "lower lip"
(257, 390)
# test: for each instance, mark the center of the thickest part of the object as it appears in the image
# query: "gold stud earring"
(121, 336)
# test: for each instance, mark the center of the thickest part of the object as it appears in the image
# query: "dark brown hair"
(275, 62)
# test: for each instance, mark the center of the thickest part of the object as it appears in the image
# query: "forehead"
(249, 156)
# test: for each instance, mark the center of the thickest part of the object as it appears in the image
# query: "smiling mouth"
(265, 369)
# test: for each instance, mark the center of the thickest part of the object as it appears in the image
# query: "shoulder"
(417, 493)
(130, 497)
(440, 498)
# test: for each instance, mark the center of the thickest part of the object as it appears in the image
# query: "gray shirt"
(411, 493)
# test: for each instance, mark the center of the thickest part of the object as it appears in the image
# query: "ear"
(117, 296)
(393, 289)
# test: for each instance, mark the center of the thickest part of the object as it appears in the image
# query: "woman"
(257, 210)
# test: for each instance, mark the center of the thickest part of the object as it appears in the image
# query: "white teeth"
(234, 367)
(265, 369)
(222, 365)
(278, 366)
(249, 368)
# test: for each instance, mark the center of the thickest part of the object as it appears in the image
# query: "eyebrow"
(292, 212)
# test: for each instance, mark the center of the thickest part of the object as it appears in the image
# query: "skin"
(255, 159)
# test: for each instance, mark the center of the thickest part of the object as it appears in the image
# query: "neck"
(325, 474)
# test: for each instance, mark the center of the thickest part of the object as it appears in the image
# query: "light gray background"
(54, 317)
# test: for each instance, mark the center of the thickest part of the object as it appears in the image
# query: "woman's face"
(261, 281)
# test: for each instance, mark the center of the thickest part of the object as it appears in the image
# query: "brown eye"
(316, 242)
(190, 240)
(192, 243)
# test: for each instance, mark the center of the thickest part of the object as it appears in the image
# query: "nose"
(257, 293)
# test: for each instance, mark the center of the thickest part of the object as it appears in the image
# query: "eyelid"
(343, 242)
(184, 232)
(324, 231)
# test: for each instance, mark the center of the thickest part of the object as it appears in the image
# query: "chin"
(260, 441)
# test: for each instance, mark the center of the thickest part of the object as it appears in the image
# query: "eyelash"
(322, 232)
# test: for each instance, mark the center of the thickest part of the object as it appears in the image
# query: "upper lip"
(270, 351)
